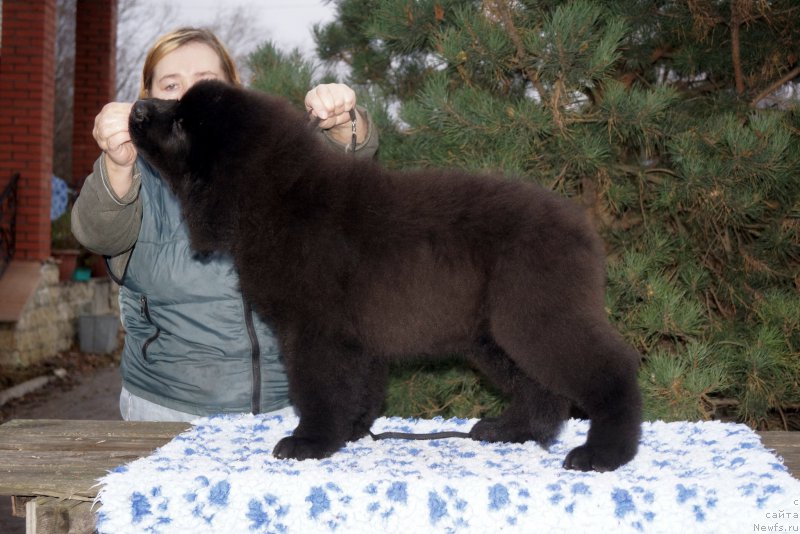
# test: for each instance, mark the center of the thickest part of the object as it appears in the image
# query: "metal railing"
(8, 222)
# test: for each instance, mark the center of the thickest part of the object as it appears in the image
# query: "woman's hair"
(169, 42)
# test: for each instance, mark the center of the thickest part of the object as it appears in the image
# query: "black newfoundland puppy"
(354, 265)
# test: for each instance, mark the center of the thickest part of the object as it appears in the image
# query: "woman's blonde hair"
(173, 40)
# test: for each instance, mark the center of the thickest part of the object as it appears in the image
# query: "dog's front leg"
(337, 391)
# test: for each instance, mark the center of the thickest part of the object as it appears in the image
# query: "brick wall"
(95, 86)
(27, 64)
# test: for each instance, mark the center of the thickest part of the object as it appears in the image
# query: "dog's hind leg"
(612, 400)
(596, 371)
(546, 310)
(533, 413)
(337, 402)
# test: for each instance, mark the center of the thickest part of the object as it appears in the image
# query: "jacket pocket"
(144, 310)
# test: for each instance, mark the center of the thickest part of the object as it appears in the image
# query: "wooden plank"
(60, 435)
(61, 474)
(64, 459)
(785, 445)
(44, 444)
(68, 430)
(45, 515)
(18, 505)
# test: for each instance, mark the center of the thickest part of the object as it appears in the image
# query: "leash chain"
(352, 146)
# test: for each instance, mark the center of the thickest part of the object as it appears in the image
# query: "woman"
(192, 345)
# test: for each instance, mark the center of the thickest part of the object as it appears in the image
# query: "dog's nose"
(138, 112)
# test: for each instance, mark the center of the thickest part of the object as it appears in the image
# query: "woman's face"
(177, 71)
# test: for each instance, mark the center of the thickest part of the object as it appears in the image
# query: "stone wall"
(49, 322)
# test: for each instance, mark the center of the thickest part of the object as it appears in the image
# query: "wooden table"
(50, 467)
(785, 445)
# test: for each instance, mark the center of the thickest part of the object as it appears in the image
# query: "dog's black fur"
(354, 265)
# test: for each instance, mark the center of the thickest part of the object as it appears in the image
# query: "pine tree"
(663, 119)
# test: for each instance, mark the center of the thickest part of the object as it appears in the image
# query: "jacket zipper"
(255, 402)
(144, 311)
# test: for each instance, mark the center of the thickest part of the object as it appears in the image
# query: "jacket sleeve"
(367, 148)
(105, 223)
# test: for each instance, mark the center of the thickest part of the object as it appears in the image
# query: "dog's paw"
(586, 458)
(496, 431)
(302, 449)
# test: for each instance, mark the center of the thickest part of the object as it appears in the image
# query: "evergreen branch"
(502, 12)
(775, 86)
(560, 178)
(641, 204)
(662, 170)
(555, 104)
(462, 70)
(722, 310)
(732, 343)
(783, 418)
(736, 54)
(723, 403)
(743, 12)
(587, 118)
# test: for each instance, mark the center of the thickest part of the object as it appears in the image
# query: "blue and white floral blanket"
(220, 476)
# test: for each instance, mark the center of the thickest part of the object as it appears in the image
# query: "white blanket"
(220, 476)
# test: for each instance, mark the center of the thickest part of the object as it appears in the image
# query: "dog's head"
(186, 139)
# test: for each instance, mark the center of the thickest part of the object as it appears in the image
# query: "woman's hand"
(112, 136)
(331, 103)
